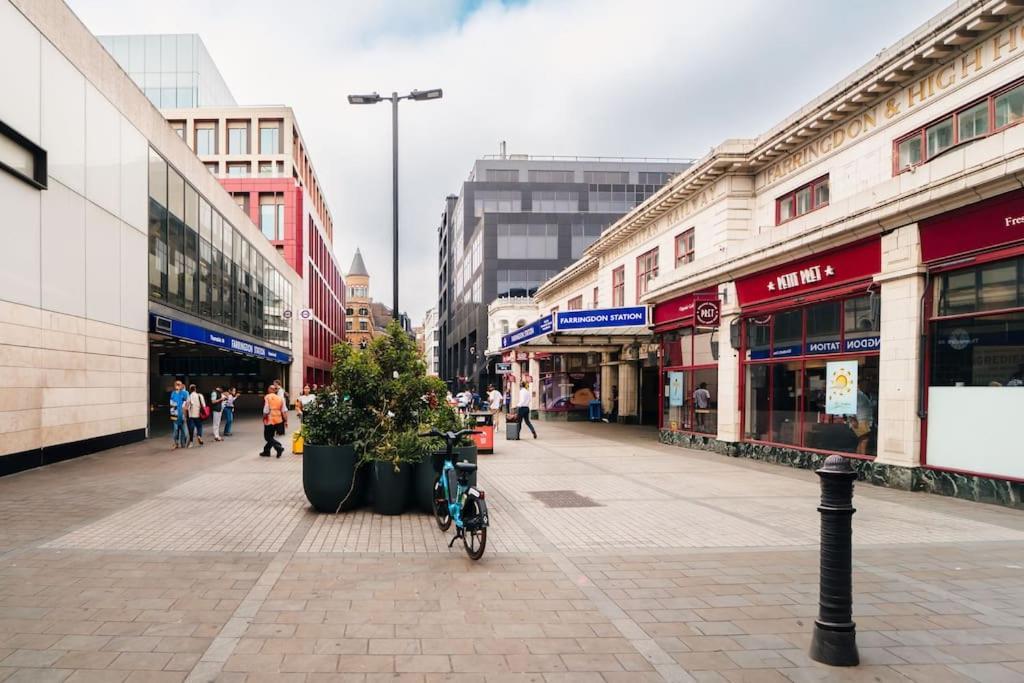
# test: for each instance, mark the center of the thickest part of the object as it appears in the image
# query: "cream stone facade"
(850, 138)
(74, 312)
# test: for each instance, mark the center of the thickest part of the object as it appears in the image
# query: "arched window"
(520, 323)
(348, 311)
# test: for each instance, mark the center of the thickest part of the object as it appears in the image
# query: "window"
(521, 283)
(206, 138)
(555, 202)
(619, 286)
(179, 128)
(238, 138)
(992, 114)
(272, 215)
(939, 137)
(575, 303)
(595, 299)
(552, 176)
(654, 177)
(527, 241)
(684, 247)
(1009, 107)
(270, 137)
(212, 166)
(810, 197)
(583, 236)
(690, 400)
(363, 326)
(617, 199)
(646, 270)
(606, 177)
(348, 311)
(501, 175)
(266, 168)
(242, 199)
(238, 170)
(554, 311)
(496, 201)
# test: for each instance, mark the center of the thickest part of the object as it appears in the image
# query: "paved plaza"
(652, 563)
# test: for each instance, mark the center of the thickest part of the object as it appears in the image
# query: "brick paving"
(146, 564)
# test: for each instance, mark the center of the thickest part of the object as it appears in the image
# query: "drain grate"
(564, 499)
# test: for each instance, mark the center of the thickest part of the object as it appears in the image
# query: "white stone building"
(93, 313)
(849, 281)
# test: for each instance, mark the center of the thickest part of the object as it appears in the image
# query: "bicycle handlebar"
(449, 436)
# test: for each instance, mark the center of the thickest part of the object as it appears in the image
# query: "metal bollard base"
(834, 645)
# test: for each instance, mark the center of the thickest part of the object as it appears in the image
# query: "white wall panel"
(102, 151)
(63, 250)
(102, 265)
(134, 278)
(19, 276)
(19, 72)
(63, 119)
(134, 177)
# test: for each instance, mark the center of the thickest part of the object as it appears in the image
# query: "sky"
(646, 78)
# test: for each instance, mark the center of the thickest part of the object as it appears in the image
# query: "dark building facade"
(517, 221)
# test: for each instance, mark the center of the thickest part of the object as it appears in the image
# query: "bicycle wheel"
(475, 541)
(442, 514)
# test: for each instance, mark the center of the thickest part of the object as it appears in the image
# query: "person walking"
(281, 392)
(196, 404)
(523, 409)
(179, 432)
(229, 409)
(217, 406)
(275, 421)
(702, 405)
(494, 403)
(304, 399)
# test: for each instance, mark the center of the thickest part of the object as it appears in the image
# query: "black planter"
(391, 489)
(327, 474)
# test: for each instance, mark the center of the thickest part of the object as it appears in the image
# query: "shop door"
(649, 396)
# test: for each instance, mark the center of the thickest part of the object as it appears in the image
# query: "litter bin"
(483, 422)
(594, 411)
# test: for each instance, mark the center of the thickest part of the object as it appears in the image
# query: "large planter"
(425, 476)
(391, 489)
(327, 477)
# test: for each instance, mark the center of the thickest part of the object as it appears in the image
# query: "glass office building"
(174, 70)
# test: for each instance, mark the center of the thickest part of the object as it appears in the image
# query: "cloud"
(575, 77)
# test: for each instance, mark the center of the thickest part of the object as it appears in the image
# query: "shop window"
(619, 286)
(690, 380)
(812, 196)
(810, 377)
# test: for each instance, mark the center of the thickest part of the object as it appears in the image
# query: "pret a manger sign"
(1004, 45)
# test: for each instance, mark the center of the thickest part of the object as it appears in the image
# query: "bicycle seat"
(466, 467)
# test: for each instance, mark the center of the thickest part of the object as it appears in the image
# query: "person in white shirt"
(702, 405)
(523, 409)
(494, 401)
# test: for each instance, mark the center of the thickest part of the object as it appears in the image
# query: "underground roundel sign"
(707, 313)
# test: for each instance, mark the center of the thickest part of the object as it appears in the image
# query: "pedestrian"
(524, 407)
(281, 392)
(494, 403)
(304, 399)
(702, 405)
(463, 400)
(275, 421)
(179, 397)
(229, 409)
(196, 405)
(217, 406)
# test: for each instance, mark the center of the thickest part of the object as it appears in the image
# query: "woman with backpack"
(197, 412)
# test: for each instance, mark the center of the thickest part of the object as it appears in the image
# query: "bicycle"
(455, 500)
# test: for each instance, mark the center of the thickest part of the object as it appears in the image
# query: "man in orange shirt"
(275, 421)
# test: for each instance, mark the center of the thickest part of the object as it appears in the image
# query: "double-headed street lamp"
(374, 98)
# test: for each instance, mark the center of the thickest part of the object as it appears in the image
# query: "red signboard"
(681, 309)
(814, 273)
(708, 313)
(995, 222)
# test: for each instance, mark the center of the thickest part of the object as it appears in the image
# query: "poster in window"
(675, 389)
(841, 387)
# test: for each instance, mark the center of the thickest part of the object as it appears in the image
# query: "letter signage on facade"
(682, 310)
(630, 316)
(201, 335)
(821, 271)
(707, 313)
(992, 223)
(527, 332)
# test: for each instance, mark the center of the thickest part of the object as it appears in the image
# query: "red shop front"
(974, 355)
(809, 348)
(687, 329)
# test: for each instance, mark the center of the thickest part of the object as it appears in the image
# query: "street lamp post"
(374, 98)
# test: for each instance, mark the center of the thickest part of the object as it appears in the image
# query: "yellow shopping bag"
(297, 443)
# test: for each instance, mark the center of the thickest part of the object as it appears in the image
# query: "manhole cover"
(564, 499)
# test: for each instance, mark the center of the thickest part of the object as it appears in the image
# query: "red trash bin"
(483, 423)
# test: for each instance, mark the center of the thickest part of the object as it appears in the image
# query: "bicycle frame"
(448, 475)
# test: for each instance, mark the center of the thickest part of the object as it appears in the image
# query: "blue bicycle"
(455, 499)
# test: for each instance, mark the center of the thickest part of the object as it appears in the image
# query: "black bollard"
(834, 641)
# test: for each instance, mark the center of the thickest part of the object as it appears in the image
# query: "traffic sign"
(503, 368)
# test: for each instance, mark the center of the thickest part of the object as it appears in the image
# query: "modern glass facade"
(175, 71)
(201, 265)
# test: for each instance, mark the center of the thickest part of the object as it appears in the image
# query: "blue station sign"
(201, 335)
(629, 316)
(525, 333)
(818, 347)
